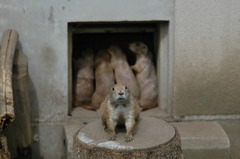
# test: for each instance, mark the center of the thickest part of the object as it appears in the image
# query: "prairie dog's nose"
(120, 93)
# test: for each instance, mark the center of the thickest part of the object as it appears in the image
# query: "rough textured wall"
(206, 47)
(43, 37)
(207, 57)
(39, 29)
(42, 26)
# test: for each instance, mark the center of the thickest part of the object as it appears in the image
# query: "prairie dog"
(84, 87)
(104, 78)
(146, 75)
(122, 70)
(119, 107)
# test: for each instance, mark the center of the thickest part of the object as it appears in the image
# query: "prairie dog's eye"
(125, 87)
(113, 89)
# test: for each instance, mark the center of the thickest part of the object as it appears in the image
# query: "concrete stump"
(153, 139)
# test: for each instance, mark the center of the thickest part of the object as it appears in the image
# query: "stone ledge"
(203, 139)
(70, 131)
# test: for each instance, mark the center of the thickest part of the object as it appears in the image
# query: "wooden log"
(19, 133)
(153, 139)
(4, 154)
(8, 46)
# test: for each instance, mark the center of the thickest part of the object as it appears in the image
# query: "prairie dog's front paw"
(112, 137)
(128, 138)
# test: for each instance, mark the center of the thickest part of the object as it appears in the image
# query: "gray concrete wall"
(42, 26)
(207, 57)
(48, 141)
(206, 49)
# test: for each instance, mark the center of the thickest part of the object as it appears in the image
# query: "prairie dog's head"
(138, 48)
(116, 52)
(86, 58)
(88, 54)
(119, 93)
(113, 49)
(102, 55)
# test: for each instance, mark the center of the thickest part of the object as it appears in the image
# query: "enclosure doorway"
(100, 35)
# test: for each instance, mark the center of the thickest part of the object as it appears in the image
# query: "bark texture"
(153, 139)
(19, 133)
(8, 46)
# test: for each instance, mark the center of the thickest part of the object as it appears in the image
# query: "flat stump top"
(148, 133)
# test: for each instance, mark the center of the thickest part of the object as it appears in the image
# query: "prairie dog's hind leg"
(111, 125)
(104, 123)
(130, 123)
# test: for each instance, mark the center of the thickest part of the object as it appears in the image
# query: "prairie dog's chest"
(120, 112)
(143, 62)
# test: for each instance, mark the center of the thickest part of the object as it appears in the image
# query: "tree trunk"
(153, 139)
(9, 42)
(19, 133)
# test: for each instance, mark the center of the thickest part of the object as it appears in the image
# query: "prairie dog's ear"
(87, 52)
(113, 48)
(144, 48)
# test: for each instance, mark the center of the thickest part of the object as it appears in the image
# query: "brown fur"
(104, 78)
(119, 107)
(84, 87)
(146, 75)
(122, 70)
